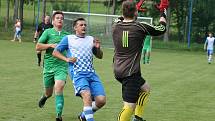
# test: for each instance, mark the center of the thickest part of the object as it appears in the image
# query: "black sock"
(39, 57)
(137, 117)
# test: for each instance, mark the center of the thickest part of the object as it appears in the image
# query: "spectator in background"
(39, 31)
(209, 45)
(17, 34)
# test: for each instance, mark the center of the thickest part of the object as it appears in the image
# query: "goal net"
(98, 25)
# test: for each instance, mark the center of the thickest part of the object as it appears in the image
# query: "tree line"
(203, 19)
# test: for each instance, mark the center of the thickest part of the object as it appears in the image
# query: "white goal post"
(99, 25)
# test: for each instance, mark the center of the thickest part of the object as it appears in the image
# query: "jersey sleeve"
(63, 45)
(154, 30)
(44, 37)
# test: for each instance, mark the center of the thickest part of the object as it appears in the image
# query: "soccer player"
(86, 82)
(55, 70)
(41, 28)
(209, 45)
(147, 49)
(128, 36)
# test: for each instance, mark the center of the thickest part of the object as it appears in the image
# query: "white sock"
(95, 108)
(88, 113)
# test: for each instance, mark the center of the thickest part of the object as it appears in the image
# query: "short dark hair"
(76, 20)
(128, 9)
(57, 12)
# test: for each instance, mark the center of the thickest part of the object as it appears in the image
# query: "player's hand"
(53, 45)
(72, 59)
(96, 43)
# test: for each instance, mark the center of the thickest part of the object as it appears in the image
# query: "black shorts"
(131, 87)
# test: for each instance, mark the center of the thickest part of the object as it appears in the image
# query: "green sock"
(145, 59)
(148, 58)
(59, 103)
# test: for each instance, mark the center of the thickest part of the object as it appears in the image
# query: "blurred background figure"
(17, 34)
(147, 49)
(39, 31)
(209, 45)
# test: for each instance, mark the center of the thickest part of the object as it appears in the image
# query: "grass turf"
(182, 86)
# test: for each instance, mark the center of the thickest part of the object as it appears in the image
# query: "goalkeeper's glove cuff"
(164, 13)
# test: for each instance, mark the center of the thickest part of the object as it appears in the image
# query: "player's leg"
(60, 80)
(126, 112)
(142, 100)
(47, 94)
(87, 101)
(148, 53)
(144, 56)
(39, 58)
(59, 98)
(97, 92)
(82, 88)
(97, 103)
(130, 93)
(48, 81)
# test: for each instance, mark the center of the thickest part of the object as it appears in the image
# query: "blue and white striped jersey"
(81, 48)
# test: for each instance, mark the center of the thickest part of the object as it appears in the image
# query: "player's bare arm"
(57, 54)
(96, 49)
(41, 47)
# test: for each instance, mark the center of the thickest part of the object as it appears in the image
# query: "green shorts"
(49, 76)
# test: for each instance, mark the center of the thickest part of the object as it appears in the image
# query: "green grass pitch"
(182, 87)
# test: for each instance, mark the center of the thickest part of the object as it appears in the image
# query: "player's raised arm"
(96, 49)
(157, 29)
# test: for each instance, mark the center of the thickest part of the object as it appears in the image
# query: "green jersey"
(51, 36)
(147, 42)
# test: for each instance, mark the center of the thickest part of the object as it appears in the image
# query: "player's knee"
(100, 101)
(59, 85)
(48, 92)
(145, 87)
